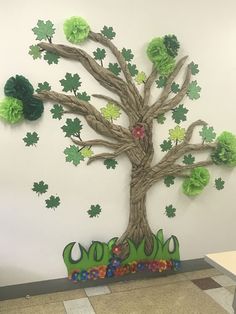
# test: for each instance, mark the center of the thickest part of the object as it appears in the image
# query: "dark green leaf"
(169, 180)
(73, 155)
(71, 82)
(175, 88)
(188, 159)
(31, 139)
(108, 32)
(110, 163)
(44, 30)
(53, 202)
(161, 82)
(161, 118)
(43, 86)
(207, 134)
(51, 57)
(114, 68)
(72, 127)
(94, 211)
(83, 96)
(57, 111)
(179, 114)
(99, 54)
(219, 184)
(193, 90)
(194, 68)
(170, 211)
(166, 145)
(132, 69)
(127, 54)
(40, 187)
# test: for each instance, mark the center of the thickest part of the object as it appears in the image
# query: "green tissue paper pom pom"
(158, 54)
(76, 29)
(18, 87)
(11, 109)
(225, 152)
(198, 179)
(33, 109)
(172, 45)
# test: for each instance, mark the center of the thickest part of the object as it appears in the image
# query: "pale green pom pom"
(76, 29)
(11, 109)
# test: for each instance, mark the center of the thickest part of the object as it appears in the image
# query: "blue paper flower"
(83, 275)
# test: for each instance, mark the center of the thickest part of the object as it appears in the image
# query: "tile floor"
(200, 292)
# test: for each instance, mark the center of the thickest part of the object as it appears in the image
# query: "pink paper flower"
(138, 132)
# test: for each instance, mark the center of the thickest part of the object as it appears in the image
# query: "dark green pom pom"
(33, 109)
(172, 45)
(18, 87)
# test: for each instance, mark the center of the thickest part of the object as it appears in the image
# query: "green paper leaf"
(111, 112)
(140, 78)
(194, 68)
(175, 88)
(207, 134)
(40, 187)
(127, 54)
(83, 96)
(170, 211)
(188, 159)
(35, 52)
(132, 69)
(166, 145)
(31, 139)
(43, 86)
(57, 111)
(161, 82)
(94, 211)
(44, 30)
(114, 68)
(219, 184)
(108, 32)
(73, 155)
(193, 91)
(169, 180)
(99, 54)
(86, 152)
(161, 118)
(177, 134)
(52, 202)
(51, 57)
(110, 163)
(71, 83)
(72, 127)
(179, 114)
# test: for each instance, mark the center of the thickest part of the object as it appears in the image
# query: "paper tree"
(136, 140)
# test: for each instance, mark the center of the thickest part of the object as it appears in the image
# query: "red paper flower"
(102, 270)
(116, 249)
(126, 269)
(133, 267)
(138, 132)
(119, 271)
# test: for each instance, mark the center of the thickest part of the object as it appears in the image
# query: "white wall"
(32, 237)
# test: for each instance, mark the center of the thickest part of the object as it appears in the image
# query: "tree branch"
(96, 142)
(148, 84)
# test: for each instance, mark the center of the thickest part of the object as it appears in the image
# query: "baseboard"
(63, 284)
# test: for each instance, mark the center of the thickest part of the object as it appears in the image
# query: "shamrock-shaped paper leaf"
(161, 82)
(207, 134)
(127, 54)
(43, 86)
(179, 114)
(193, 91)
(71, 83)
(110, 163)
(170, 211)
(166, 145)
(188, 159)
(111, 112)
(140, 78)
(31, 139)
(83, 96)
(86, 152)
(53, 202)
(114, 68)
(40, 187)
(219, 184)
(51, 57)
(108, 32)
(194, 68)
(161, 118)
(35, 52)
(169, 180)
(132, 69)
(94, 211)
(175, 88)
(72, 127)
(44, 30)
(73, 155)
(57, 111)
(99, 54)
(177, 134)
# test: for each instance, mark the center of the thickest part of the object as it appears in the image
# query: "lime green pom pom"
(18, 87)
(225, 152)
(76, 29)
(11, 109)
(198, 179)
(158, 54)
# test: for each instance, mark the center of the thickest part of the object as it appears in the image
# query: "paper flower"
(93, 273)
(176, 264)
(126, 269)
(115, 262)
(225, 152)
(110, 272)
(133, 267)
(119, 271)
(11, 109)
(116, 250)
(172, 45)
(18, 87)
(140, 266)
(102, 271)
(83, 275)
(162, 265)
(74, 276)
(76, 29)
(33, 109)
(198, 179)
(138, 132)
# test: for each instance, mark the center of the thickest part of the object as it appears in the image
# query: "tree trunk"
(138, 227)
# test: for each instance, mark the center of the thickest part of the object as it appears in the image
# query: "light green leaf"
(35, 52)
(193, 90)
(111, 112)
(177, 134)
(73, 155)
(44, 30)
